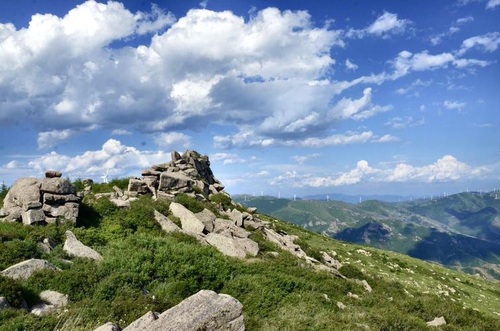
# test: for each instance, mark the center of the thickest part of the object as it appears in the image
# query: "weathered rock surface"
(34, 201)
(205, 310)
(143, 323)
(74, 247)
(23, 270)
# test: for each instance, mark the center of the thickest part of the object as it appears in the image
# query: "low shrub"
(189, 202)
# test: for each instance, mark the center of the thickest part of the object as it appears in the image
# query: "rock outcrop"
(74, 247)
(205, 310)
(187, 173)
(23, 270)
(34, 201)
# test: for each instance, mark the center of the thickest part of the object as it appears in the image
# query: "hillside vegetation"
(145, 269)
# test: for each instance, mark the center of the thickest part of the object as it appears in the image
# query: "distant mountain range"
(461, 231)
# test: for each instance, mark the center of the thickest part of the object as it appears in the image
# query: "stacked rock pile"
(187, 173)
(35, 201)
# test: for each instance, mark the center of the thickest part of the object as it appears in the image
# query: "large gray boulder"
(205, 310)
(190, 223)
(23, 270)
(74, 247)
(23, 195)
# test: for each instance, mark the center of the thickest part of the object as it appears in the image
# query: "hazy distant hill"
(460, 231)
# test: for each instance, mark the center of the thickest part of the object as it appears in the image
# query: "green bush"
(189, 202)
(351, 271)
(12, 290)
(221, 199)
(16, 251)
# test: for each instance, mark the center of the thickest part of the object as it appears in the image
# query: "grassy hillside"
(145, 269)
(459, 231)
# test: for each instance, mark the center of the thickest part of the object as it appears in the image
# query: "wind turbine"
(104, 177)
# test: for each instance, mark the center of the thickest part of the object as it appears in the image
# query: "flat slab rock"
(205, 310)
(23, 270)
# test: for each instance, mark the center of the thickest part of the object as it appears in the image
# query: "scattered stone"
(235, 247)
(23, 270)
(43, 308)
(4, 303)
(120, 203)
(352, 296)
(341, 306)
(73, 247)
(166, 224)
(108, 327)
(437, 321)
(47, 245)
(365, 285)
(54, 298)
(53, 301)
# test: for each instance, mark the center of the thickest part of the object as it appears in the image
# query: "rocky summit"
(187, 173)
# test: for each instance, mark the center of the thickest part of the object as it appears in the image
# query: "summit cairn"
(188, 173)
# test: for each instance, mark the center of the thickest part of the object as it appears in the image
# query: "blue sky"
(286, 97)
